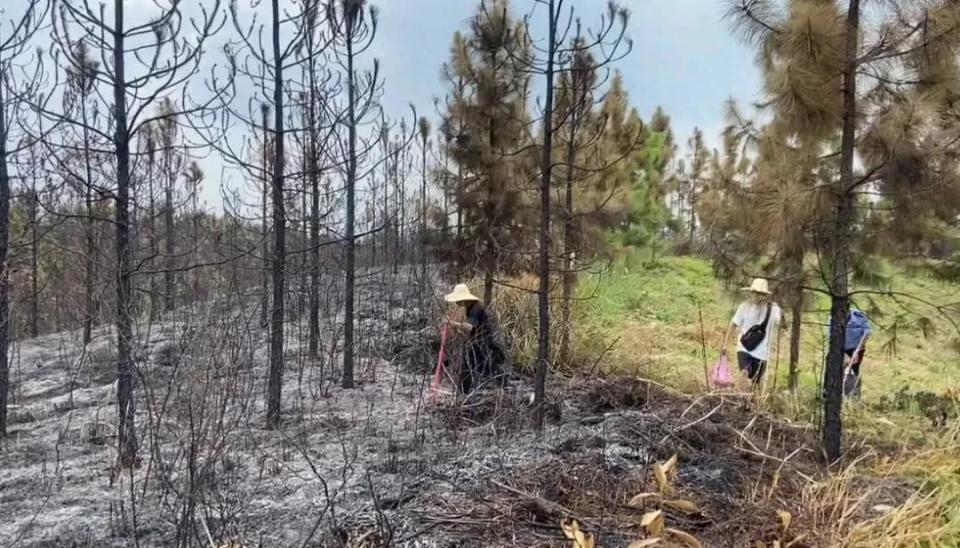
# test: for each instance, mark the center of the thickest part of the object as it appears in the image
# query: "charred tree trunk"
(4, 270)
(275, 380)
(169, 275)
(796, 276)
(796, 324)
(423, 211)
(488, 286)
(313, 344)
(303, 290)
(265, 241)
(397, 212)
(543, 305)
(569, 255)
(351, 209)
(197, 251)
(153, 243)
(34, 257)
(844, 217)
(90, 305)
(126, 434)
(578, 105)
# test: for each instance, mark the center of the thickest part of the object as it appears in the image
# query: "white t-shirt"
(750, 314)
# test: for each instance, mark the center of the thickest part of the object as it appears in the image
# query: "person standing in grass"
(857, 332)
(755, 323)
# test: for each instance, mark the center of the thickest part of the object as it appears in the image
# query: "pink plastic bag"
(721, 376)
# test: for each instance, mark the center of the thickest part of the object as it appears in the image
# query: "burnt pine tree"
(423, 132)
(172, 166)
(153, 243)
(31, 203)
(143, 63)
(575, 103)
(318, 136)
(353, 29)
(81, 82)
(279, 255)
(15, 44)
(267, 55)
(266, 162)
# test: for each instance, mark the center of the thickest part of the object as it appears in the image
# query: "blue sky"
(685, 58)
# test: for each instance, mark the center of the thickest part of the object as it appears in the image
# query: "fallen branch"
(691, 424)
(544, 503)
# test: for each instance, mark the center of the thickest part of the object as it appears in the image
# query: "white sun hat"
(759, 285)
(460, 294)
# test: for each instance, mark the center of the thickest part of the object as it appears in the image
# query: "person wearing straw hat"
(481, 355)
(756, 322)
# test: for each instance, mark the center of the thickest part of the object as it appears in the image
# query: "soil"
(379, 465)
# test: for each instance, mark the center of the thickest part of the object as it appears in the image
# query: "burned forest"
(484, 273)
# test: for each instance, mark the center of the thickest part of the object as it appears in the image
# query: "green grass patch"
(653, 311)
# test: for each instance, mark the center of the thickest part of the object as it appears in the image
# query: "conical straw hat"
(759, 285)
(460, 294)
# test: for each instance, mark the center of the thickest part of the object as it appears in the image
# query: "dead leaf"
(759, 544)
(670, 467)
(641, 498)
(684, 506)
(684, 538)
(776, 544)
(571, 529)
(785, 519)
(653, 522)
(645, 542)
(661, 476)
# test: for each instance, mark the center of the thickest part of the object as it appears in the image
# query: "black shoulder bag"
(754, 336)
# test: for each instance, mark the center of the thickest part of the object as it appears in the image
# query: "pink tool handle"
(438, 374)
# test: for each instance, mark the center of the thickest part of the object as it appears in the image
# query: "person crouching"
(482, 357)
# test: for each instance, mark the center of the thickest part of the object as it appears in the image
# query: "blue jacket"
(858, 326)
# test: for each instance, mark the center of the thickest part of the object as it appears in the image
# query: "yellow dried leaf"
(660, 475)
(684, 538)
(684, 506)
(785, 519)
(571, 529)
(670, 467)
(653, 522)
(645, 542)
(776, 544)
(641, 498)
(759, 544)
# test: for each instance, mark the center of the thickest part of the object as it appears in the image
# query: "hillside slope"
(653, 314)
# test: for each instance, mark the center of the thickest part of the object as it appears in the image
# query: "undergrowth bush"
(515, 310)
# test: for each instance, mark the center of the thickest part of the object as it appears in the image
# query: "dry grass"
(855, 507)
